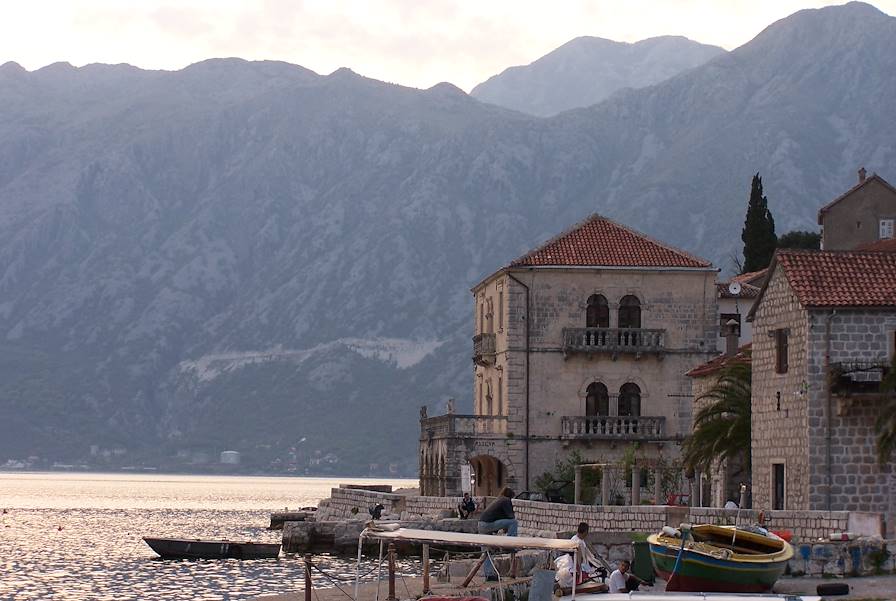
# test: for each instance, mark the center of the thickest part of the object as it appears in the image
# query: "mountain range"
(254, 257)
(587, 70)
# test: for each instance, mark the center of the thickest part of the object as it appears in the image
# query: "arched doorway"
(489, 474)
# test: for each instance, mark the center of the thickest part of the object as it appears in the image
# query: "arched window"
(597, 314)
(630, 400)
(597, 399)
(629, 312)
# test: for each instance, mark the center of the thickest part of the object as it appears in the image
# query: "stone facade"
(825, 440)
(854, 219)
(527, 319)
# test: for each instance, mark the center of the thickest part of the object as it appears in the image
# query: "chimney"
(731, 338)
(862, 173)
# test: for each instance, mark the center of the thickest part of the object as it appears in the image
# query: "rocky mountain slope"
(587, 70)
(254, 257)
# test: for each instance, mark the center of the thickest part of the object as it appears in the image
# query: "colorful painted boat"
(720, 559)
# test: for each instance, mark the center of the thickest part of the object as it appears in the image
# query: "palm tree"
(886, 420)
(722, 427)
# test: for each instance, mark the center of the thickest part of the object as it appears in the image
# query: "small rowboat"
(182, 548)
(720, 559)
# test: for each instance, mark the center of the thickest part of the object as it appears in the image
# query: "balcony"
(484, 349)
(635, 341)
(462, 426)
(611, 427)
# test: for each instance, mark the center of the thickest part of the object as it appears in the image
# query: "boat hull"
(700, 572)
(174, 548)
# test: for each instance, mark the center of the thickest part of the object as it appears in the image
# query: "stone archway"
(490, 475)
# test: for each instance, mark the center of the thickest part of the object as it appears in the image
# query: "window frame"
(889, 225)
(630, 310)
(601, 307)
(782, 350)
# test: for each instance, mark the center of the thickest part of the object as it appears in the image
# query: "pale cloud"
(416, 43)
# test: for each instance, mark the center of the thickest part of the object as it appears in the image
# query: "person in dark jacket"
(466, 507)
(498, 516)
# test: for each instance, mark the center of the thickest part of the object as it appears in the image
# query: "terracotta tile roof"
(840, 278)
(713, 365)
(746, 290)
(601, 242)
(887, 245)
(873, 178)
(751, 277)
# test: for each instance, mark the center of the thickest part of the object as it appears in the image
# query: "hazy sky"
(412, 42)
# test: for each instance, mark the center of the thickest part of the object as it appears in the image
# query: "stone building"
(824, 333)
(736, 298)
(581, 344)
(724, 478)
(862, 215)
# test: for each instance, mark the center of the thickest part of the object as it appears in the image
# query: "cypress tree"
(759, 230)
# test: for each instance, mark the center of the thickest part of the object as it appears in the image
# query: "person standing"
(590, 563)
(498, 516)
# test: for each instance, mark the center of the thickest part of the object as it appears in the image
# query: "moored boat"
(183, 548)
(719, 559)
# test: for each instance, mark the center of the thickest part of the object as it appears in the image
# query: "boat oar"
(674, 584)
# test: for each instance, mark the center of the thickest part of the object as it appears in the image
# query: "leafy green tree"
(886, 419)
(722, 427)
(800, 239)
(758, 234)
(561, 479)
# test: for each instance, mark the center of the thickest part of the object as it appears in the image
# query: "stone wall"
(417, 507)
(780, 420)
(343, 501)
(548, 519)
(805, 525)
(858, 482)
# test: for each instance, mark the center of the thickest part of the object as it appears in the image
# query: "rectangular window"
(481, 318)
(501, 311)
(481, 399)
(886, 229)
(781, 350)
(778, 486)
(500, 395)
(724, 318)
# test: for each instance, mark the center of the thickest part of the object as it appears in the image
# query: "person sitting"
(376, 511)
(466, 507)
(589, 561)
(621, 581)
(498, 516)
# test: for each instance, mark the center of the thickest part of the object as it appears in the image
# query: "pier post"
(307, 577)
(604, 486)
(426, 569)
(391, 596)
(658, 487)
(636, 485)
(577, 494)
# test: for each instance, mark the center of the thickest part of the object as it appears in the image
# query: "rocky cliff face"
(587, 70)
(241, 255)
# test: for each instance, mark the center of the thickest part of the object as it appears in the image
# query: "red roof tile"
(840, 278)
(600, 242)
(751, 277)
(713, 365)
(746, 290)
(887, 245)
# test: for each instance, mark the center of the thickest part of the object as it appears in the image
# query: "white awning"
(472, 540)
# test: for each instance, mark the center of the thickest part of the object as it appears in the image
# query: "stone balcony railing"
(462, 425)
(604, 427)
(484, 349)
(613, 340)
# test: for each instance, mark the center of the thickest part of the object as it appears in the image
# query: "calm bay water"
(78, 536)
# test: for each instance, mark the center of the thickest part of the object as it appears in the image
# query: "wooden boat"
(720, 559)
(182, 548)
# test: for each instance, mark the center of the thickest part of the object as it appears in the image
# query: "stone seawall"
(549, 519)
